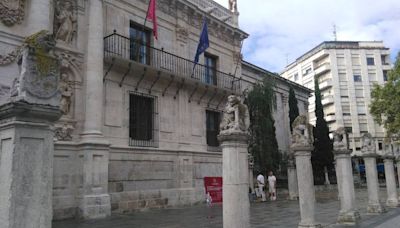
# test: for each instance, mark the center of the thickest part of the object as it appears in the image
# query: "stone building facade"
(139, 125)
(346, 72)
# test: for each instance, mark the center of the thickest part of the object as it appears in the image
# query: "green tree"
(263, 144)
(322, 155)
(385, 104)
(293, 108)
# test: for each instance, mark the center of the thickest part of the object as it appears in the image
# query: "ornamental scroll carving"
(12, 11)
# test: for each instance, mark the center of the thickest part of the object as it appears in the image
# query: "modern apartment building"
(346, 72)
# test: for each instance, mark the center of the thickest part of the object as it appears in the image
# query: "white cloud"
(285, 29)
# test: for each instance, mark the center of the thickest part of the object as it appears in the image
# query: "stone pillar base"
(349, 217)
(375, 209)
(95, 206)
(392, 203)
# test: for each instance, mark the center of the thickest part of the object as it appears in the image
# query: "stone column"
(306, 186)
(292, 180)
(392, 200)
(368, 150)
(251, 176)
(233, 137)
(302, 140)
(94, 71)
(26, 139)
(93, 148)
(344, 174)
(236, 205)
(398, 170)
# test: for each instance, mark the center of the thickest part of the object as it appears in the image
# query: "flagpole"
(142, 33)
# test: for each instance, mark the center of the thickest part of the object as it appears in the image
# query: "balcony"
(122, 52)
(330, 118)
(325, 84)
(327, 100)
(323, 68)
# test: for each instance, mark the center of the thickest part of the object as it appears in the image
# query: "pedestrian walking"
(261, 185)
(271, 186)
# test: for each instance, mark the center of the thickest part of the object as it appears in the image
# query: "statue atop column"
(233, 6)
(302, 132)
(235, 117)
(340, 140)
(368, 144)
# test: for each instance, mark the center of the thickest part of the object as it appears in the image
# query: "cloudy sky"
(282, 30)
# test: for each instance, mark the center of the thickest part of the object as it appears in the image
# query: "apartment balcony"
(325, 84)
(127, 56)
(330, 118)
(321, 69)
(327, 100)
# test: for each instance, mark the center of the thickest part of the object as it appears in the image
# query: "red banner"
(213, 185)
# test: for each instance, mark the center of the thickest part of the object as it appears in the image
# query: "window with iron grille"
(212, 127)
(210, 76)
(142, 116)
(139, 49)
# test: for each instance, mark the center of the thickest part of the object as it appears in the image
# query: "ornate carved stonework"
(66, 93)
(368, 144)
(10, 57)
(65, 20)
(233, 6)
(235, 117)
(12, 11)
(63, 132)
(251, 161)
(182, 33)
(302, 132)
(341, 141)
(39, 71)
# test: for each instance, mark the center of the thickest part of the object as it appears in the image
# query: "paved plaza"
(281, 213)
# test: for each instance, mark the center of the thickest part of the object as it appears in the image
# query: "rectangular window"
(384, 59)
(340, 61)
(355, 60)
(349, 129)
(142, 114)
(210, 76)
(307, 71)
(212, 127)
(385, 77)
(296, 76)
(359, 92)
(370, 61)
(361, 109)
(357, 78)
(139, 47)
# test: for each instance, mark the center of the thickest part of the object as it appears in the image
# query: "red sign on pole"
(213, 185)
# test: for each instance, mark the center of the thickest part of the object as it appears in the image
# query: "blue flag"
(203, 42)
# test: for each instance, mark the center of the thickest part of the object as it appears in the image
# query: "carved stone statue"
(65, 21)
(302, 132)
(39, 71)
(233, 5)
(66, 94)
(12, 11)
(235, 117)
(368, 144)
(63, 132)
(340, 140)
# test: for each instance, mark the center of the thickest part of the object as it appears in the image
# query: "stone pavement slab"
(279, 214)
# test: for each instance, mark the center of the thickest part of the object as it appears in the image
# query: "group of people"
(260, 192)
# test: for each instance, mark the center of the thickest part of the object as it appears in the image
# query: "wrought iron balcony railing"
(116, 45)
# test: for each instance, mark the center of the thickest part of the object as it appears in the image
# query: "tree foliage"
(322, 154)
(263, 144)
(385, 104)
(293, 108)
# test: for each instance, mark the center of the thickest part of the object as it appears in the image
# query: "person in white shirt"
(271, 186)
(261, 184)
